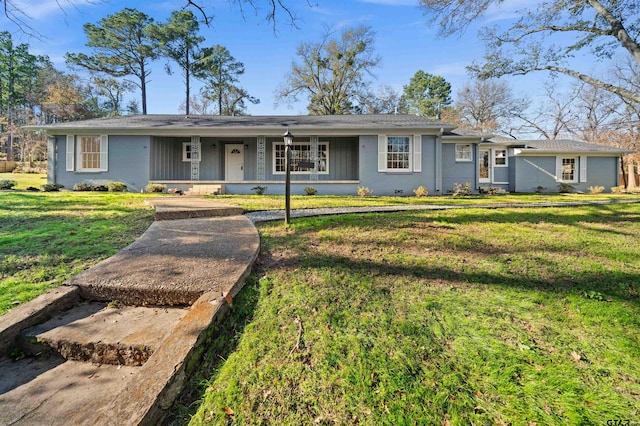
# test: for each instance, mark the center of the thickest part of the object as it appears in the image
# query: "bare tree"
(332, 73)
(488, 105)
(554, 118)
(384, 100)
(603, 27)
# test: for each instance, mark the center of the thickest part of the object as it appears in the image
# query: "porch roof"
(213, 125)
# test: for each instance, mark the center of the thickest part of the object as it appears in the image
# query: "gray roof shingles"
(558, 145)
(141, 122)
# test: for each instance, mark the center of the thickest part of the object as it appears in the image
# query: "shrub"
(461, 189)
(363, 191)
(52, 187)
(421, 191)
(593, 190)
(7, 184)
(116, 187)
(100, 188)
(310, 190)
(565, 188)
(540, 189)
(617, 189)
(32, 188)
(259, 189)
(82, 186)
(154, 187)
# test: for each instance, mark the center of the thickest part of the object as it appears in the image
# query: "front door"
(234, 162)
(484, 166)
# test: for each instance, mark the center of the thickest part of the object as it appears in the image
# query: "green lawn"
(272, 202)
(45, 238)
(485, 317)
(512, 316)
(25, 180)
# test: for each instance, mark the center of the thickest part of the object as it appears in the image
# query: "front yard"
(45, 238)
(523, 316)
(484, 317)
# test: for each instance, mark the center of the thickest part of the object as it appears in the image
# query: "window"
(190, 151)
(568, 170)
(500, 157)
(300, 152)
(87, 153)
(398, 153)
(463, 152)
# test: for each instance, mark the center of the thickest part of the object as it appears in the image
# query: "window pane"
(398, 152)
(463, 152)
(568, 168)
(90, 152)
(301, 152)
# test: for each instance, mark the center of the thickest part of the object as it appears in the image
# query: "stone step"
(101, 333)
(205, 189)
(173, 263)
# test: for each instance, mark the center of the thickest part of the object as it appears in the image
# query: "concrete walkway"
(114, 344)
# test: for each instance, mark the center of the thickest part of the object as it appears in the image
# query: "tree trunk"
(631, 174)
(186, 78)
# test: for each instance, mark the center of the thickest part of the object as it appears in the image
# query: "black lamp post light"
(288, 142)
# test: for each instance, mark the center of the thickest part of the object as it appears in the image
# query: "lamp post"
(288, 142)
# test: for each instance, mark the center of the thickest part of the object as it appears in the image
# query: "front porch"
(235, 165)
(196, 188)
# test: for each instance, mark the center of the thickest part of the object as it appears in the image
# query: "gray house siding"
(343, 159)
(396, 183)
(128, 162)
(166, 160)
(167, 164)
(500, 175)
(531, 172)
(458, 171)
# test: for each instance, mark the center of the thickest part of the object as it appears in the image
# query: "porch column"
(313, 154)
(195, 157)
(261, 173)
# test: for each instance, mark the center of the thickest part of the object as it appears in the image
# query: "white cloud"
(450, 69)
(38, 9)
(41, 10)
(509, 9)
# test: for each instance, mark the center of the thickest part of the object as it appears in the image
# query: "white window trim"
(305, 172)
(559, 168)
(495, 157)
(185, 158)
(415, 154)
(104, 153)
(463, 160)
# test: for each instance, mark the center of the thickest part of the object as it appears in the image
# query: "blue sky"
(405, 41)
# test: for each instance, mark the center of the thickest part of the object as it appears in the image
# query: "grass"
(274, 202)
(511, 316)
(514, 316)
(25, 180)
(45, 238)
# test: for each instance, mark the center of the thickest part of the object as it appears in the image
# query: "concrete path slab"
(59, 394)
(101, 334)
(174, 262)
